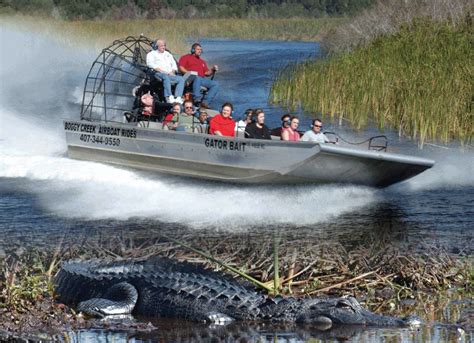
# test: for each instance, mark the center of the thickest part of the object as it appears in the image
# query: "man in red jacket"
(194, 62)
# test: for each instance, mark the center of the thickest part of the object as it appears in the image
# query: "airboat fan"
(119, 68)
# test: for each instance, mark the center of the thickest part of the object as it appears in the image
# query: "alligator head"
(347, 310)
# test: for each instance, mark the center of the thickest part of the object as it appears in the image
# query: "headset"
(154, 46)
(193, 48)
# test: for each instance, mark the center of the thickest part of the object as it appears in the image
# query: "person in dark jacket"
(257, 128)
(285, 122)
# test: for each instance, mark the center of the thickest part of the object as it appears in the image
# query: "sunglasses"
(188, 107)
(318, 125)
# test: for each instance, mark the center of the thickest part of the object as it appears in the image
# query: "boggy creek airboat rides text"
(113, 128)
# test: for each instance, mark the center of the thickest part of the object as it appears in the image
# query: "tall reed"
(419, 81)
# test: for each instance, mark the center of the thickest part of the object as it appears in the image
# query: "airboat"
(114, 129)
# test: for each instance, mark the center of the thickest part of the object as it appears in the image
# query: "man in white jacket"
(164, 65)
(315, 134)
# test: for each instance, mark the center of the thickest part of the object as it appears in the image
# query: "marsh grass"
(419, 81)
(177, 32)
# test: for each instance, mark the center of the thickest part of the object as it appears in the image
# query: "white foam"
(453, 168)
(28, 137)
(95, 191)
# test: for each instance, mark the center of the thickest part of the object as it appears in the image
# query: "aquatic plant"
(419, 81)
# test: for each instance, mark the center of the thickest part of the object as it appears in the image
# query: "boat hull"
(235, 159)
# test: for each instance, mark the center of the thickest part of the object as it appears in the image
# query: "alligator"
(162, 287)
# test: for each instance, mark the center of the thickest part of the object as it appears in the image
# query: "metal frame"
(377, 143)
(120, 66)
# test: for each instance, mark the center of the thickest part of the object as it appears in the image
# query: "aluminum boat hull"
(235, 159)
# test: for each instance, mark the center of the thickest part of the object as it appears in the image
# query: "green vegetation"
(151, 9)
(176, 31)
(21, 288)
(418, 80)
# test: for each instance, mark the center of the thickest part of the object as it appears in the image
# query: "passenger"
(189, 108)
(257, 128)
(171, 119)
(290, 133)
(147, 104)
(246, 119)
(285, 122)
(186, 119)
(315, 134)
(222, 124)
(203, 124)
(204, 117)
(194, 62)
(164, 65)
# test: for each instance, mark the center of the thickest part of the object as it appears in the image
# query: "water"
(47, 197)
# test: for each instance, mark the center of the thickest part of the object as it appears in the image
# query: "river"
(47, 197)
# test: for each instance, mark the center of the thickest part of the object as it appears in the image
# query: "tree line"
(151, 9)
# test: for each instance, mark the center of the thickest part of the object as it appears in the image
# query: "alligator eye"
(345, 305)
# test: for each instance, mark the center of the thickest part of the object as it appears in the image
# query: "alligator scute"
(161, 287)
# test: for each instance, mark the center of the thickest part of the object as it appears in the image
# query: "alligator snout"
(347, 310)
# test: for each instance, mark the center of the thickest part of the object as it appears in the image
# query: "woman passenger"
(222, 124)
(257, 128)
(290, 133)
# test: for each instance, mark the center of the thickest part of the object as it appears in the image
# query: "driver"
(194, 62)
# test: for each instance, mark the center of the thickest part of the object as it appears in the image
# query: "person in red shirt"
(194, 62)
(222, 124)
